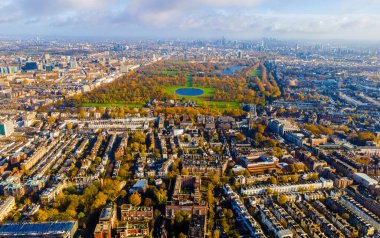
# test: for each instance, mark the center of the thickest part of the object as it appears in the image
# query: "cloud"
(302, 25)
(48, 8)
(161, 12)
(199, 18)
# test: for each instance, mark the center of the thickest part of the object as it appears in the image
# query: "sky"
(193, 19)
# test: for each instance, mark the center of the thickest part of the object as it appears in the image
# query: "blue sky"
(156, 19)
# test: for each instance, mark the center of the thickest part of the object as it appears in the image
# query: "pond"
(231, 70)
(189, 92)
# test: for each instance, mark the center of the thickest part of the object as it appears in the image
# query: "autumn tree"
(184, 171)
(69, 126)
(282, 199)
(147, 202)
(216, 233)
(160, 196)
(40, 215)
(100, 201)
(135, 199)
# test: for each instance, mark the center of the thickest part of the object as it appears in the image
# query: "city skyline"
(247, 19)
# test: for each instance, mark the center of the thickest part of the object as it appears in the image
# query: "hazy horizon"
(197, 19)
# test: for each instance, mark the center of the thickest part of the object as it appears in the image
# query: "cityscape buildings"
(218, 136)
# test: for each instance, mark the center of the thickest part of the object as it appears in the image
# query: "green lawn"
(166, 72)
(255, 73)
(130, 105)
(222, 105)
(189, 81)
(170, 72)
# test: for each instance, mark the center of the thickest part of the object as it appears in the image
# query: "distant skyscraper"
(223, 41)
(73, 63)
(30, 66)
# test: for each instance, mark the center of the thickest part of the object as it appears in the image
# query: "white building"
(287, 188)
(6, 206)
(6, 128)
(364, 179)
(280, 126)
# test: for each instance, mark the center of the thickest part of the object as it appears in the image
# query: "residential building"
(6, 206)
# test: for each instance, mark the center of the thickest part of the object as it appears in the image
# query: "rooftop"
(26, 228)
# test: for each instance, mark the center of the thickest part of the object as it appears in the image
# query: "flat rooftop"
(26, 229)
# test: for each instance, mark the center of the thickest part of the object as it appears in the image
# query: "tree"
(240, 137)
(156, 213)
(313, 176)
(285, 179)
(53, 214)
(261, 129)
(139, 137)
(81, 215)
(147, 202)
(27, 201)
(71, 190)
(69, 126)
(40, 215)
(215, 178)
(283, 223)
(294, 178)
(277, 152)
(181, 235)
(269, 191)
(225, 225)
(100, 200)
(135, 146)
(14, 170)
(50, 120)
(184, 171)
(229, 214)
(123, 193)
(160, 196)
(345, 216)
(233, 234)
(273, 180)
(354, 234)
(216, 233)
(366, 136)
(181, 217)
(246, 173)
(210, 194)
(135, 199)
(282, 199)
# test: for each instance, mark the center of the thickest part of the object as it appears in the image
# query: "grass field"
(189, 81)
(255, 73)
(221, 105)
(169, 72)
(130, 105)
(166, 72)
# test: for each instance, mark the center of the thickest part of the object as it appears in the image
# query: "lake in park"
(189, 92)
(231, 70)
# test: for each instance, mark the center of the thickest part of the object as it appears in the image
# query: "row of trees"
(261, 83)
(318, 129)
